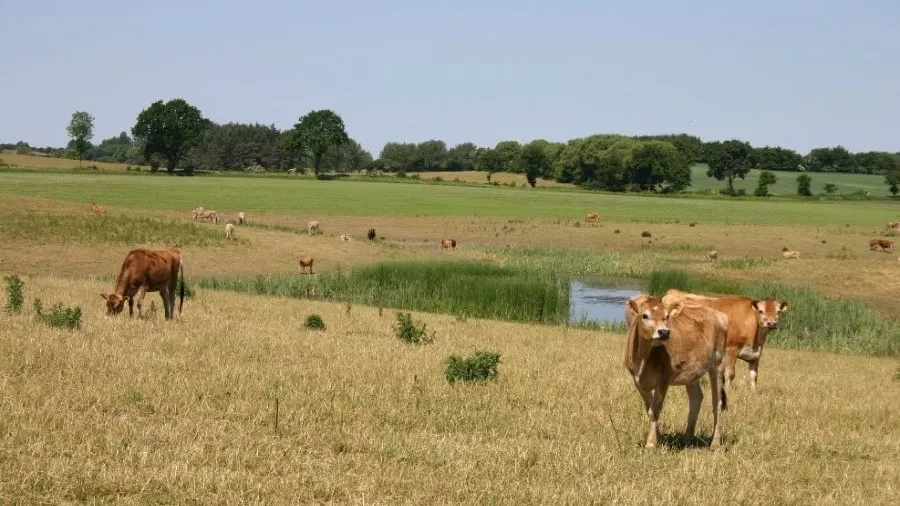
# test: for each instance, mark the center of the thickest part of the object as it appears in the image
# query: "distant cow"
(448, 243)
(371, 234)
(750, 321)
(229, 231)
(675, 343)
(589, 217)
(242, 218)
(893, 225)
(791, 254)
(345, 238)
(196, 212)
(884, 244)
(304, 262)
(209, 215)
(712, 256)
(147, 270)
(313, 227)
(97, 208)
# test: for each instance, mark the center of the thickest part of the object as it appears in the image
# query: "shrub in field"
(314, 322)
(14, 297)
(58, 316)
(407, 330)
(480, 366)
(646, 233)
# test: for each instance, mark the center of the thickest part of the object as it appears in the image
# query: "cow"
(791, 254)
(242, 218)
(229, 231)
(675, 343)
(884, 244)
(712, 256)
(448, 243)
(345, 238)
(371, 234)
(893, 225)
(147, 270)
(209, 215)
(313, 227)
(750, 321)
(590, 217)
(305, 261)
(196, 212)
(97, 208)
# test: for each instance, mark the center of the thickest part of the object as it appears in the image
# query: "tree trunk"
(170, 165)
(317, 162)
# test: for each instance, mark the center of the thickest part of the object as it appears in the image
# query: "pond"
(598, 301)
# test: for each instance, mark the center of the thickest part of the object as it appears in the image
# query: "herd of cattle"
(673, 340)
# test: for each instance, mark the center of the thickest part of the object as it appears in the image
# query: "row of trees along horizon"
(176, 135)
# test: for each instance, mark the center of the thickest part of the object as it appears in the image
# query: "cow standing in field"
(313, 228)
(147, 270)
(242, 218)
(371, 234)
(675, 343)
(209, 215)
(591, 217)
(97, 208)
(346, 238)
(893, 226)
(229, 231)
(791, 254)
(196, 212)
(305, 262)
(750, 321)
(448, 243)
(712, 256)
(884, 244)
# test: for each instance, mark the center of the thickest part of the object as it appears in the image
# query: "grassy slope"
(182, 412)
(376, 198)
(48, 162)
(786, 182)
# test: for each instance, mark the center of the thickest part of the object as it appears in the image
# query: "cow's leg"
(730, 361)
(695, 400)
(168, 299)
(714, 387)
(754, 372)
(140, 300)
(656, 403)
(130, 306)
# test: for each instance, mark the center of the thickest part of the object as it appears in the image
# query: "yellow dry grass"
(474, 176)
(182, 412)
(48, 162)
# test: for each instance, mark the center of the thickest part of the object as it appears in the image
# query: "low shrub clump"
(407, 330)
(58, 316)
(480, 366)
(314, 322)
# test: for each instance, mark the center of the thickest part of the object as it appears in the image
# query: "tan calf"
(675, 343)
(97, 208)
(196, 212)
(229, 231)
(313, 227)
(712, 256)
(304, 262)
(147, 270)
(590, 217)
(242, 218)
(791, 254)
(210, 215)
(750, 322)
(448, 243)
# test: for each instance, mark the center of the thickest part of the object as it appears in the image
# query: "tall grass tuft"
(407, 330)
(14, 296)
(58, 316)
(480, 366)
(658, 282)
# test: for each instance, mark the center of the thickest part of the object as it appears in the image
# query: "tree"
(510, 155)
(490, 161)
(461, 157)
(804, 185)
(81, 131)
(317, 131)
(766, 178)
(876, 162)
(836, 159)
(728, 160)
(169, 130)
(535, 162)
(830, 188)
(430, 155)
(659, 165)
(892, 179)
(775, 158)
(397, 157)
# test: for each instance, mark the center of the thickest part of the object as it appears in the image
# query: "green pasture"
(364, 198)
(786, 182)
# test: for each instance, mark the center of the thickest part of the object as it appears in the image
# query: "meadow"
(147, 411)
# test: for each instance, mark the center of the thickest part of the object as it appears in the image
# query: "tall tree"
(766, 178)
(490, 161)
(728, 160)
(81, 131)
(169, 129)
(804, 185)
(892, 179)
(835, 159)
(317, 131)
(535, 162)
(775, 158)
(461, 157)
(660, 165)
(510, 155)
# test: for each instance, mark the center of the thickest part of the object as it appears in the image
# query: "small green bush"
(314, 322)
(407, 330)
(58, 316)
(617, 231)
(646, 233)
(480, 366)
(14, 297)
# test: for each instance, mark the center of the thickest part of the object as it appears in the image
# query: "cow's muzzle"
(661, 334)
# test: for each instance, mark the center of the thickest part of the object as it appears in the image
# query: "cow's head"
(652, 317)
(114, 303)
(768, 311)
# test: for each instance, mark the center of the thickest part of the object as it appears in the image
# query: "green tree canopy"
(728, 160)
(766, 178)
(81, 131)
(315, 132)
(804, 185)
(169, 129)
(535, 161)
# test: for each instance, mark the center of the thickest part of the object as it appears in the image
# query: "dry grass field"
(150, 412)
(503, 178)
(37, 161)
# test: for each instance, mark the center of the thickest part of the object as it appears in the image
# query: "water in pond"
(599, 302)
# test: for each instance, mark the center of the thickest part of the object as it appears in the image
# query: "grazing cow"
(675, 343)
(893, 225)
(884, 244)
(97, 208)
(448, 243)
(313, 227)
(229, 231)
(590, 217)
(791, 254)
(209, 215)
(305, 261)
(750, 321)
(371, 234)
(712, 256)
(242, 218)
(196, 212)
(147, 270)
(345, 238)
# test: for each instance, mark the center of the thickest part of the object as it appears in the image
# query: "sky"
(794, 73)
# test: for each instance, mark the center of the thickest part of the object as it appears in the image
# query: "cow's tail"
(181, 290)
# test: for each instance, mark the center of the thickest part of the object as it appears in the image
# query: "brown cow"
(196, 212)
(371, 234)
(209, 215)
(448, 243)
(97, 208)
(675, 343)
(884, 244)
(750, 321)
(305, 261)
(589, 217)
(791, 254)
(147, 270)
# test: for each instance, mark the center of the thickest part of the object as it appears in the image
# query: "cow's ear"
(676, 310)
(103, 295)
(754, 304)
(784, 306)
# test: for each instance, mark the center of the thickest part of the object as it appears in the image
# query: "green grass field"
(786, 182)
(363, 198)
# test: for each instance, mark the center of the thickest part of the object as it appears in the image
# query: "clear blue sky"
(795, 73)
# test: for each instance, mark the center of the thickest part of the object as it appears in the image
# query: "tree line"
(175, 134)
